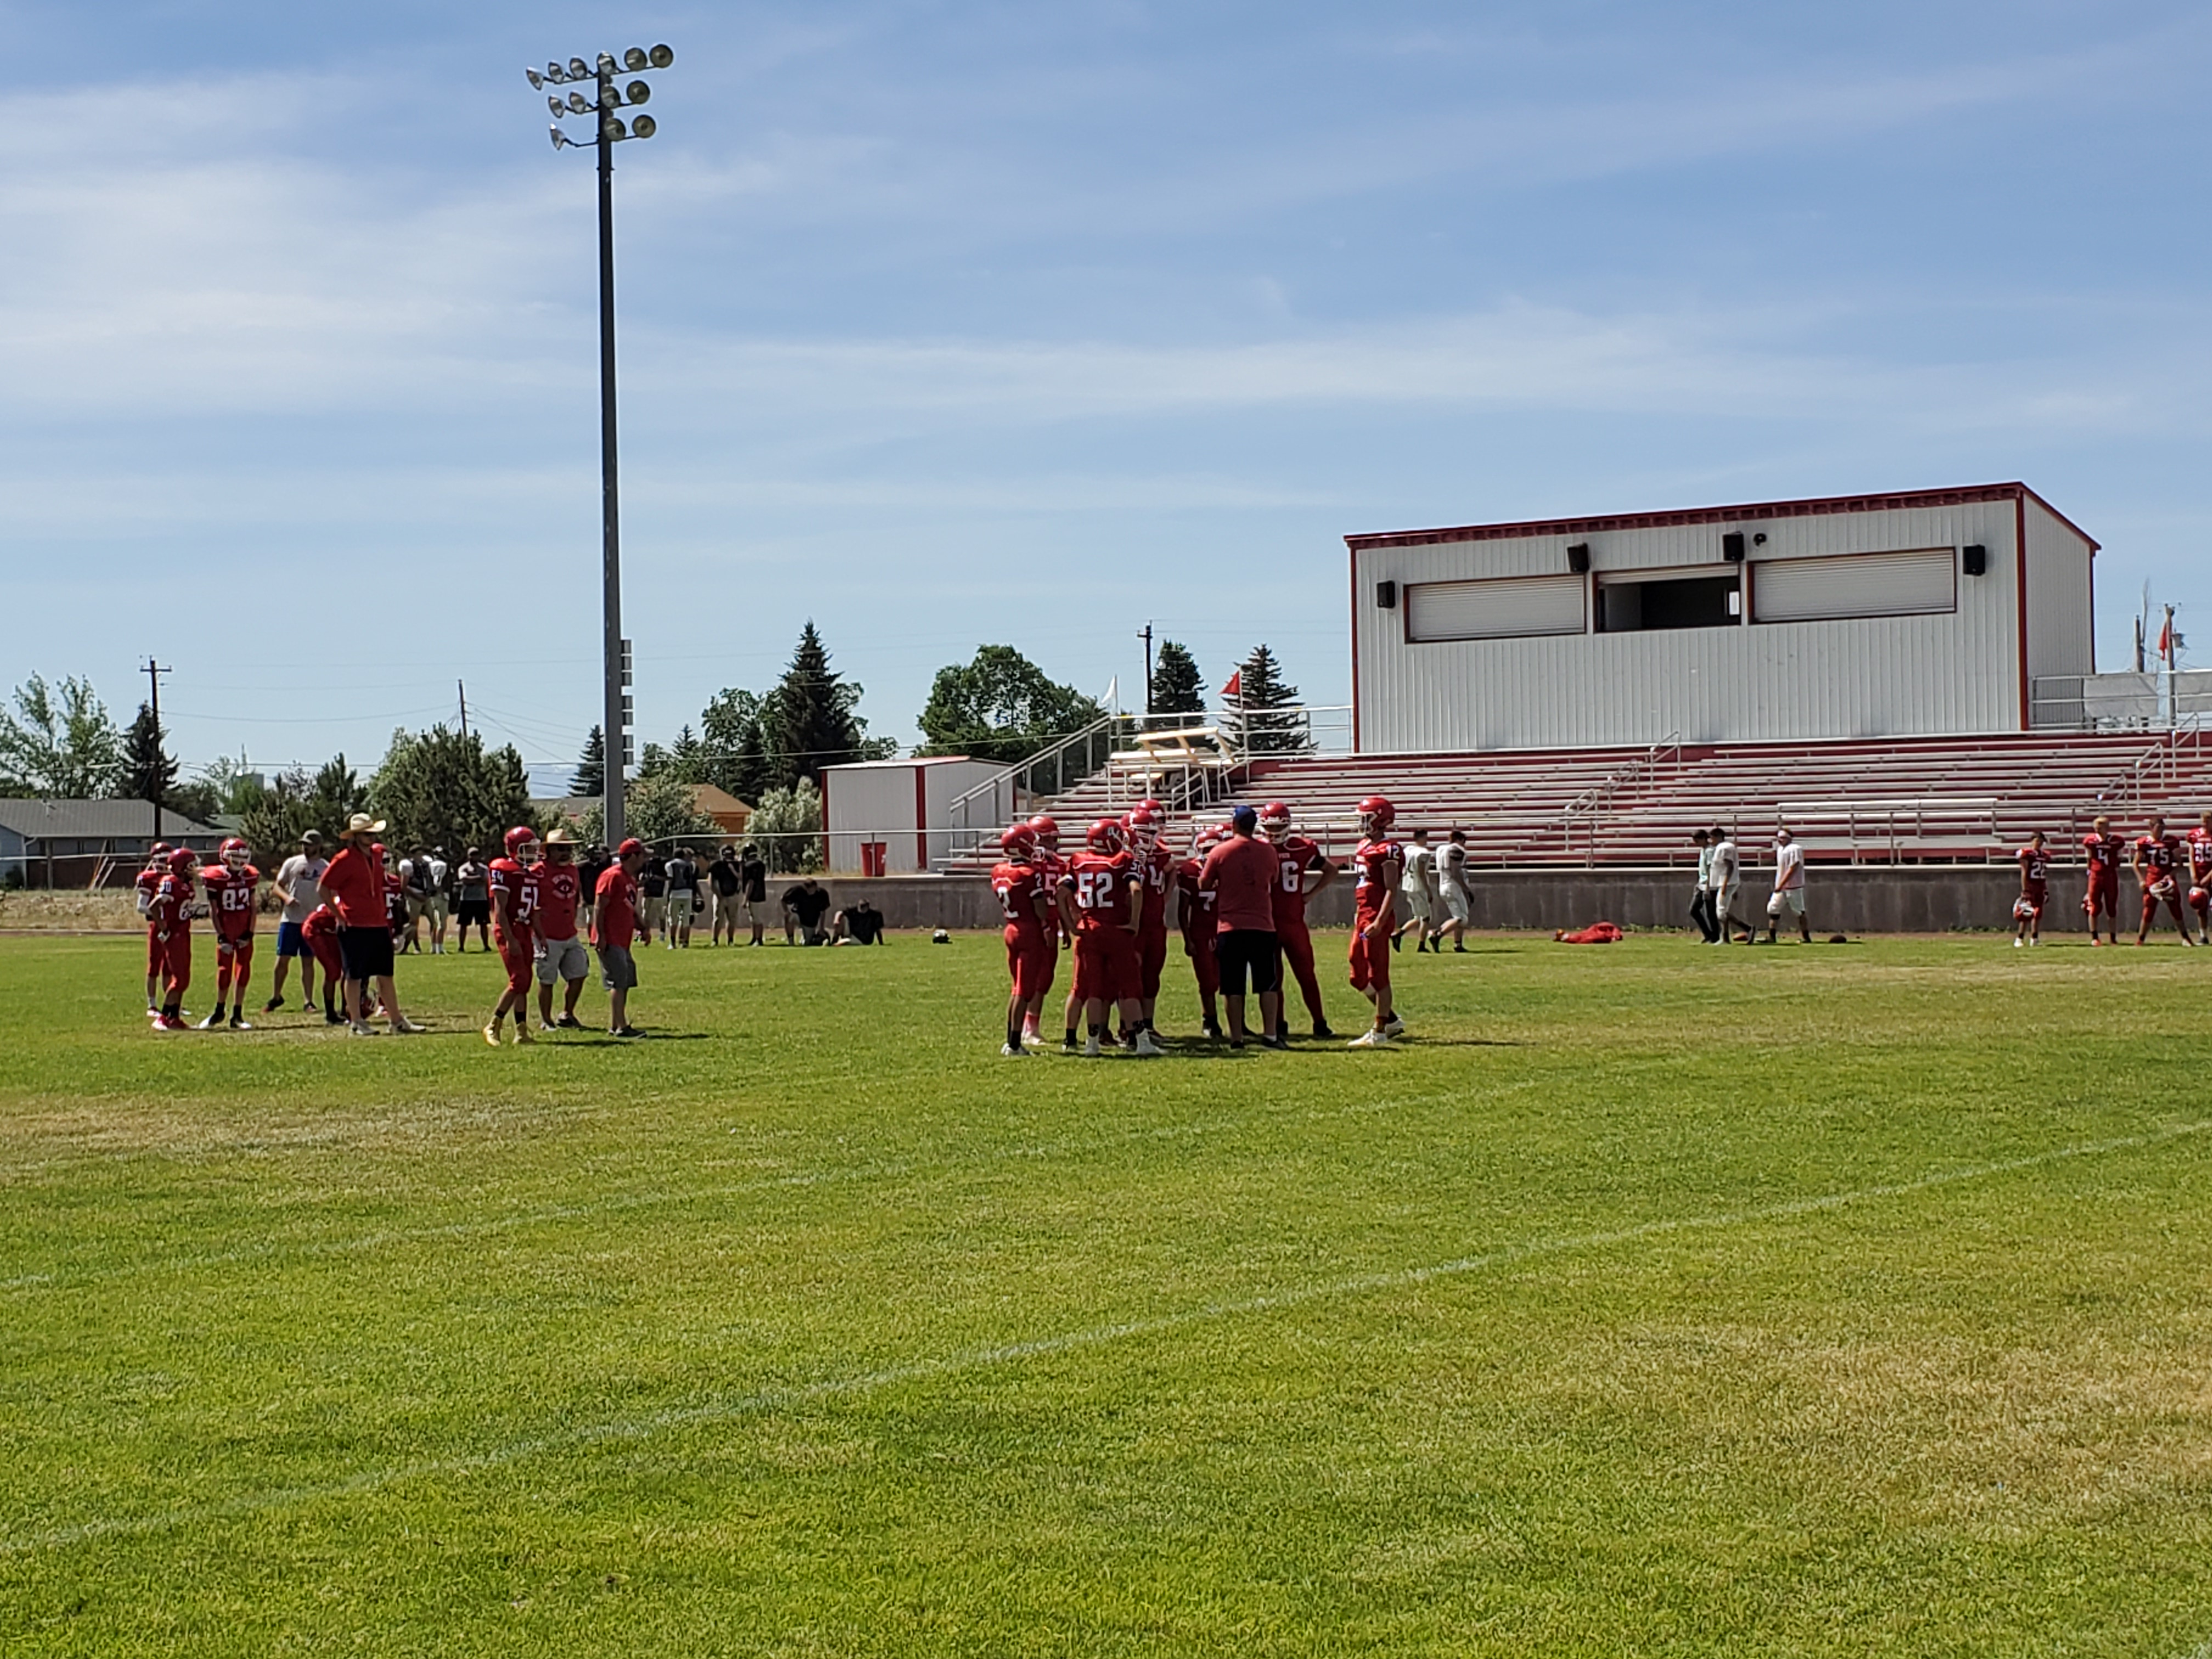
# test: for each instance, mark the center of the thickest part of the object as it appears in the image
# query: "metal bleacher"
(1875, 800)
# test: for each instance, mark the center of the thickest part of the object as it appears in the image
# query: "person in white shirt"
(1789, 895)
(1417, 890)
(1701, 896)
(1451, 887)
(1724, 876)
(298, 880)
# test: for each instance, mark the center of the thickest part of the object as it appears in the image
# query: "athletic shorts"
(434, 908)
(1413, 903)
(618, 968)
(679, 909)
(1151, 959)
(653, 913)
(365, 951)
(1371, 959)
(473, 913)
(1456, 902)
(2104, 893)
(561, 959)
(1788, 899)
(418, 906)
(1106, 965)
(290, 940)
(1030, 959)
(1243, 950)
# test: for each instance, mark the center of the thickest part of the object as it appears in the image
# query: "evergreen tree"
(1177, 686)
(441, 788)
(149, 771)
(999, 708)
(735, 753)
(809, 721)
(591, 776)
(296, 802)
(1267, 715)
(59, 743)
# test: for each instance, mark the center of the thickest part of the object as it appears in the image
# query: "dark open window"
(1627, 606)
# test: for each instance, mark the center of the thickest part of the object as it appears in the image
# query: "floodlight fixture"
(555, 72)
(661, 57)
(579, 105)
(636, 93)
(579, 70)
(634, 59)
(561, 140)
(644, 127)
(606, 63)
(553, 102)
(613, 127)
(536, 80)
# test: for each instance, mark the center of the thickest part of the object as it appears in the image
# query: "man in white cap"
(559, 885)
(296, 881)
(354, 885)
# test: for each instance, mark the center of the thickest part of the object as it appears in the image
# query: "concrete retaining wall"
(1865, 900)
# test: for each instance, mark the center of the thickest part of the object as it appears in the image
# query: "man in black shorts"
(803, 907)
(857, 924)
(753, 869)
(727, 880)
(1240, 875)
(472, 899)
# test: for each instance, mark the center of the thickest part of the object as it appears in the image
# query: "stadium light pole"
(612, 130)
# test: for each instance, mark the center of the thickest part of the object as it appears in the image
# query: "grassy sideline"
(1658, 1299)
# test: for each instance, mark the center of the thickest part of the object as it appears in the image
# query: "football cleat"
(238, 1023)
(1012, 1051)
(1091, 1048)
(210, 1022)
(169, 1023)
(1394, 1026)
(274, 1003)
(522, 1037)
(1148, 1048)
(1369, 1038)
(491, 1034)
(404, 1026)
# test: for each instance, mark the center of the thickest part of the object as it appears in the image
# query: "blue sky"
(954, 324)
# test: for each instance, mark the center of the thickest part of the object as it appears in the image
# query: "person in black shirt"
(803, 907)
(859, 924)
(683, 897)
(727, 881)
(596, 863)
(752, 872)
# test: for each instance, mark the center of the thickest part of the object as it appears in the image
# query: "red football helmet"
(1274, 820)
(1212, 835)
(1105, 836)
(1151, 805)
(521, 844)
(183, 862)
(1376, 814)
(159, 850)
(1048, 832)
(234, 853)
(1017, 841)
(1146, 822)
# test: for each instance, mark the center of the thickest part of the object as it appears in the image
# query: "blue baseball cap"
(1246, 819)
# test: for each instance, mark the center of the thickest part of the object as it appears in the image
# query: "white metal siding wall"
(946, 782)
(1890, 676)
(2060, 634)
(871, 797)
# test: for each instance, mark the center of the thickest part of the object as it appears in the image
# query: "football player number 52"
(1094, 889)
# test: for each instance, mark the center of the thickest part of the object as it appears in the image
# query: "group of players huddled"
(1242, 892)
(359, 909)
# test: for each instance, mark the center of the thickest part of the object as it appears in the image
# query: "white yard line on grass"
(646, 1425)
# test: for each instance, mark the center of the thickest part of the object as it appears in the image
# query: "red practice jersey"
(172, 908)
(2200, 856)
(230, 896)
(507, 877)
(1156, 874)
(2035, 865)
(2162, 856)
(2103, 854)
(1195, 914)
(150, 882)
(1102, 887)
(1376, 878)
(1294, 856)
(1018, 886)
(395, 903)
(559, 889)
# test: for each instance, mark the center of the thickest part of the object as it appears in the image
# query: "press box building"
(1929, 613)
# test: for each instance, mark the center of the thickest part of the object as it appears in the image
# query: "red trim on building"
(2020, 536)
(1355, 645)
(921, 818)
(1746, 512)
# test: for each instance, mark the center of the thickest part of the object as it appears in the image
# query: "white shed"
(1854, 616)
(894, 816)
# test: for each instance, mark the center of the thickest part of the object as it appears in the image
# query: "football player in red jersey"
(1097, 905)
(149, 880)
(175, 905)
(1031, 920)
(1155, 874)
(2102, 851)
(320, 932)
(513, 896)
(2034, 889)
(1299, 858)
(559, 953)
(2157, 866)
(2200, 875)
(233, 887)
(1195, 917)
(1381, 865)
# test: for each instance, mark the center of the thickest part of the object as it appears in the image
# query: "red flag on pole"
(2166, 636)
(1236, 686)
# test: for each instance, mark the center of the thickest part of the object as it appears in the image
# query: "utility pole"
(1145, 634)
(462, 686)
(153, 672)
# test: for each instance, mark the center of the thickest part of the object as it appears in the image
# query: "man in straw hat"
(559, 885)
(354, 884)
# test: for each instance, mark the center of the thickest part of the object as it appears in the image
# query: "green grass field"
(1658, 1299)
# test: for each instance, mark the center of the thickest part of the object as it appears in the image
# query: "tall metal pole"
(153, 672)
(615, 727)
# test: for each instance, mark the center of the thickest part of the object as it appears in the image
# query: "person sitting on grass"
(857, 924)
(803, 907)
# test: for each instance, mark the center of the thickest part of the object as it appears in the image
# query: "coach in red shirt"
(613, 925)
(1240, 873)
(354, 886)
